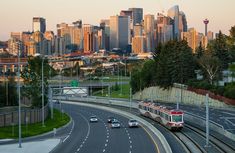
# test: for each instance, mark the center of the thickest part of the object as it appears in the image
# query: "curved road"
(86, 137)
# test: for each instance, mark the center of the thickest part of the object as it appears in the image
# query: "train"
(167, 116)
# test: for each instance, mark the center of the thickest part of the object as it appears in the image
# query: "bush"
(230, 91)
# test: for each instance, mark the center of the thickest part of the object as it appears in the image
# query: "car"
(93, 119)
(133, 123)
(115, 124)
(56, 101)
(110, 119)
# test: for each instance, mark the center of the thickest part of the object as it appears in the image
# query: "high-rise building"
(164, 28)
(50, 43)
(180, 22)
(72, 34)
(149, 32)
(105, 25)
(137, 15)
(174, 14)
(39, 24)
(138, 30)
(89, 38)
(16, 35)
(194, 38)
(101, 39)
(26, 38)
(15, 46)
(183, 25)
(119, 32)
(138, 44)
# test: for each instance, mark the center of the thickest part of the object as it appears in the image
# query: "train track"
(189, 145)
(218, 144)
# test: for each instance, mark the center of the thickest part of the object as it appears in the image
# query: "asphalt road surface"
(86, 137)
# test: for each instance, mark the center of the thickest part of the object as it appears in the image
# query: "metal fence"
(28, 116)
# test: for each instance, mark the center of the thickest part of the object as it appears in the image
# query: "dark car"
(110, 119)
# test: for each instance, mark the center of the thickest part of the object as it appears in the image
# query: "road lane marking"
(155, 143)
(88, 132)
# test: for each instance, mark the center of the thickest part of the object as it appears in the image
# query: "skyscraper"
(138, 44)
(164, 28)
(138, 30)
(149, 32)
(39, 24)
(180, 22)
(194, 38)
(119, 32)
(137, 15)
(88, 44)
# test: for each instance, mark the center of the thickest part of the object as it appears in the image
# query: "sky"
(16, 15)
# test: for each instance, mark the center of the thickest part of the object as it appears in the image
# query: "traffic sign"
(74, 83)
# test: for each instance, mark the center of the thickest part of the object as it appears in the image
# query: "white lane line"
(103, 150)
(69, 133)
(66, 138)
(88, 132)
(105, 145)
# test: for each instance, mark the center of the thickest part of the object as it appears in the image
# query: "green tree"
(232, 69)
(199, 51)
(175, 64)
(148, 73)
(32, 75)
(136, 80)
(219, 49)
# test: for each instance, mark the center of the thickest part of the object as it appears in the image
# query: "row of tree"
(174, 62)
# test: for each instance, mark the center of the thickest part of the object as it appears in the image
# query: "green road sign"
(74, 83)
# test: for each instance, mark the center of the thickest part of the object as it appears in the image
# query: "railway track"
(218, 144)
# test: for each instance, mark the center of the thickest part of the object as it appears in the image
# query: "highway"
(86, 137)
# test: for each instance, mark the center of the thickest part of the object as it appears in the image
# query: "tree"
(219, 49)
(32, 75)
(231, 43)
(175, 64)
(210, 65)
(148, 73)
(232, 70)
(136, 80)
(199, 51)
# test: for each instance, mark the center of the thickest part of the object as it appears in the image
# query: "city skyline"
(90, 12)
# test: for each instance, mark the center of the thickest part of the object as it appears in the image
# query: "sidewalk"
(44, 146)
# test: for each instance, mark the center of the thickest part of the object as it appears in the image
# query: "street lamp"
(18, 87)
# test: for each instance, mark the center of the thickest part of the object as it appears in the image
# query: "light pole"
(43, 117)
(18, 87)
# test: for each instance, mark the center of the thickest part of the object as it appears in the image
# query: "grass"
(116, 94)
(36, 128)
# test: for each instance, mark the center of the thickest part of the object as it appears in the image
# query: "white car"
(93, 119)
(115, 124)
(133, 123)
